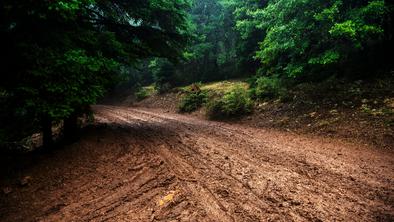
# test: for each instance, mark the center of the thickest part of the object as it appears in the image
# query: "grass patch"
(225, 86)
(220, 87)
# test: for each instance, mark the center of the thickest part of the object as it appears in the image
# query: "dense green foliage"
(299, 40)
(233, 104)
(267, 87)
(211, 55)
(60, 56)
(305, 37)
(192, 101)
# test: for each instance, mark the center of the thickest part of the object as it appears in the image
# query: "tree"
(311, 37)
(211, 53)
(60, 56)
(249, 31)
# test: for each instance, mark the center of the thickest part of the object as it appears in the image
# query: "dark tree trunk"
(71, 128)
(47, 139)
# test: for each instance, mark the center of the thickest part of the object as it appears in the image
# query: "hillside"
(357, 111)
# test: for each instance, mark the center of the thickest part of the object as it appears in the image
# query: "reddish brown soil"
(145, 165)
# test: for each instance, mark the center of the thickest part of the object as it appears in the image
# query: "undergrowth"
(234, 103)
(192, 101)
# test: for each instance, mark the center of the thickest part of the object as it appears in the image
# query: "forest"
(218, 74)
(61, 56)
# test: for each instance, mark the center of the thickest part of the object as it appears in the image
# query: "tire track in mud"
(282, 162)
(292, 168)
(146, 165)
(195, 185)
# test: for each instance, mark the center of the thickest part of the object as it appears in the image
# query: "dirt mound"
(144, 165)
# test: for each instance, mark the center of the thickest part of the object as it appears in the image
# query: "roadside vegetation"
(83, 49)
(233, 103)
(362, 109)
(144, 92)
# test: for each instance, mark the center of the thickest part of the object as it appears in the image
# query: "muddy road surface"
(146, 165)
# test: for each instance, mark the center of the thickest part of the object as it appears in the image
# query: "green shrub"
(141, 94)
(192, 101)
(234, 103)
(268, 88)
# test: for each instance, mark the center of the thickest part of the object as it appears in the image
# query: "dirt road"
(144, 165)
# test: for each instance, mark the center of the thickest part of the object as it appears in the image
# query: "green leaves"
(303, 35)
(234, 103)
(328, 57)
(62, 55)
(69, 9)
(345, 29)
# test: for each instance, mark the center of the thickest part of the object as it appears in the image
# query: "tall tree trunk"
(71, 128)
(46, 125)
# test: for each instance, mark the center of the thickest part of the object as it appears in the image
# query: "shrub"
(234, 103)
(268, 87)
(192, 101)
(141, 94)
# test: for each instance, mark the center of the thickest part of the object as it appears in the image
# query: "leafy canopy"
(60, 56)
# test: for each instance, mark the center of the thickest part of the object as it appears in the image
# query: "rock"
(284, 204)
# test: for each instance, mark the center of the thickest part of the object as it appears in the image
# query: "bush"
(268, 87)
(234, 103)
(192, 101)
(141, 94)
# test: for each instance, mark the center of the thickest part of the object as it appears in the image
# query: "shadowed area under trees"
(61, 56)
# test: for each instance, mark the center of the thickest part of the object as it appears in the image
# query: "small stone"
(284, 204)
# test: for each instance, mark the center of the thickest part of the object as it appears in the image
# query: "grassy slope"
(358, 110)
(220, 87)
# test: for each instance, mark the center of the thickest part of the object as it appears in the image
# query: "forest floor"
(138, 164)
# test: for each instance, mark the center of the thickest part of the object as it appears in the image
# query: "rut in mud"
(143, 165)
